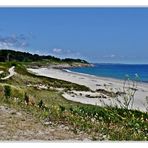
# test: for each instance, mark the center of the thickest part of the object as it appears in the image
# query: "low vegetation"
(23, 92)
(100, 123)
(35, 59)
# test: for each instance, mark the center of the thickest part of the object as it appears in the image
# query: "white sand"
(11, 73)
(94, 82)
(1, 72)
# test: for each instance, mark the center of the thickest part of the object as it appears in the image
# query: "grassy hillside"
(11, 55)
(97, 122)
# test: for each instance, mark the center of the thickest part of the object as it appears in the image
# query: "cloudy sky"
(95, 34)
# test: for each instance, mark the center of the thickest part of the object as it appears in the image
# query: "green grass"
(24, 77)
(100, 123)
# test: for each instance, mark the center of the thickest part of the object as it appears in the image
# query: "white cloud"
(64, 53)
(57, 50)
(4, 45)
(13, 41)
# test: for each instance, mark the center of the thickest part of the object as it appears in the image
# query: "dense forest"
(11, 55)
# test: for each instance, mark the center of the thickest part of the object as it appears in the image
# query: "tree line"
(11, 55)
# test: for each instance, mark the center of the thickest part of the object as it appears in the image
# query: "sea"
(138, 72)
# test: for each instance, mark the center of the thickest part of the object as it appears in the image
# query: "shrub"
(62, 108)
(40, 104)
(7, 91)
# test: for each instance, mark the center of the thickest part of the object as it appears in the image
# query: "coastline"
(104, 78)
(94, 83)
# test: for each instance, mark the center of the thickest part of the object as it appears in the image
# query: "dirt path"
(22, 126)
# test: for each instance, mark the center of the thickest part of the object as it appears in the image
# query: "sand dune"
(94, 83)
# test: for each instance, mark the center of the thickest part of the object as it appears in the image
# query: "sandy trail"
(11, 73)
(1, 72)
(94, 83)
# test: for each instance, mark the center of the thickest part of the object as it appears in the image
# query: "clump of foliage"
(74, 60)
(7, 90)
(41, 103)
(103, 123)
(2, 75)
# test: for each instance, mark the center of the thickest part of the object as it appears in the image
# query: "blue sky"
(95, 34)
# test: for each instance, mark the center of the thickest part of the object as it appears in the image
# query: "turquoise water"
(118, 71)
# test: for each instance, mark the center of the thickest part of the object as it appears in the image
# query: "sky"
(99, 35)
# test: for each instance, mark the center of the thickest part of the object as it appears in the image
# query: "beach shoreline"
(104, 78)
(94, 83)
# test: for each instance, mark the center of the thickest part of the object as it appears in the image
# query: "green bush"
(7, 91)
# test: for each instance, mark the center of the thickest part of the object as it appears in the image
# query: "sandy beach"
(95, 83)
